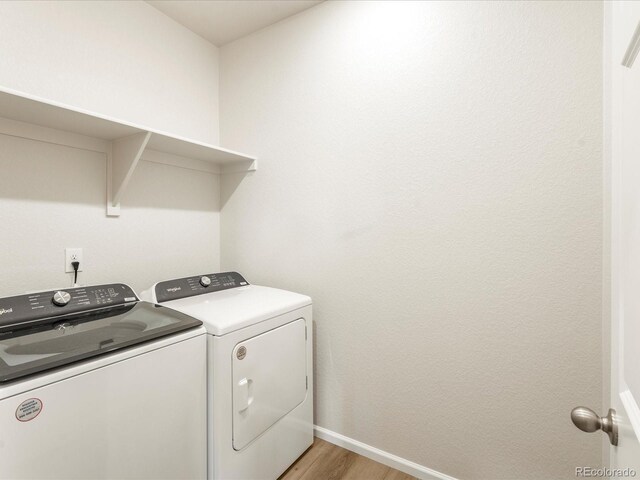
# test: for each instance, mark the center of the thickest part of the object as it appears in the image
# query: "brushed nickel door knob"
(588, 421)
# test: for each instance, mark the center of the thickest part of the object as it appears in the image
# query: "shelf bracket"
(122, 158)
(250, 165)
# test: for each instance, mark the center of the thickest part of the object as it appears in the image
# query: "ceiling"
(223, 21)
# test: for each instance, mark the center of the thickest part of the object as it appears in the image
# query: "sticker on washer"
(29, 409)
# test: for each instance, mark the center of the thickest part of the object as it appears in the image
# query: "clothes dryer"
(259, 371)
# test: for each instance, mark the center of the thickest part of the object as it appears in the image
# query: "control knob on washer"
(61, 298)
(205, 281)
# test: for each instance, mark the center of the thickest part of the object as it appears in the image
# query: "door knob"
(588, 421)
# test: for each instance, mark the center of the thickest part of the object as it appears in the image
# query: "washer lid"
(68, 339)
(229, 310)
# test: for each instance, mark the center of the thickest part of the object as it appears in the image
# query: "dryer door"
(269, 380)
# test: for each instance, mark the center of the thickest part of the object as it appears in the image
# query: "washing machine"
(97, 384)
(260, 377)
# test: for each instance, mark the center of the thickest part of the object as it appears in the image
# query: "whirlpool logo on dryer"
(6, 310)
(174, 289)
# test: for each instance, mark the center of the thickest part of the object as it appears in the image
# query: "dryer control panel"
(197, 285)
(33, 307)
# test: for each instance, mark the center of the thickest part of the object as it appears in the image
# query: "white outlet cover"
(70, 255)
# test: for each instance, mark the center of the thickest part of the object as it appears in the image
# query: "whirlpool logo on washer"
(5, 310)
(174, 289)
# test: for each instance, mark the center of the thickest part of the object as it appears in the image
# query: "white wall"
(52, 197)
(122, 59)
(431, 174)
(129, 61)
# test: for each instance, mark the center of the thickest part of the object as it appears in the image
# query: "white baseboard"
(380, 456)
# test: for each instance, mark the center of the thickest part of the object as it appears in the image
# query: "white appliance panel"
(279, 446)
(269, 380)
(142, 417)
(226, 311)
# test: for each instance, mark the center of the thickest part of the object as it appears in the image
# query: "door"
(269, 380)
(622, 105)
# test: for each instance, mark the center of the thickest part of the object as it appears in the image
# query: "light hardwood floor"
(325, 461)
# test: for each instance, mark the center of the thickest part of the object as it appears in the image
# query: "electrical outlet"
(72, 255)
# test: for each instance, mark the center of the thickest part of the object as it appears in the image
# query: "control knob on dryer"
(61, 298)
(205, 281)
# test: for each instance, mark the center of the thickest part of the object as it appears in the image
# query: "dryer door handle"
(243, 394)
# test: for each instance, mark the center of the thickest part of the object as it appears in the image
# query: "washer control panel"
(191, 286)
(37, 306)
